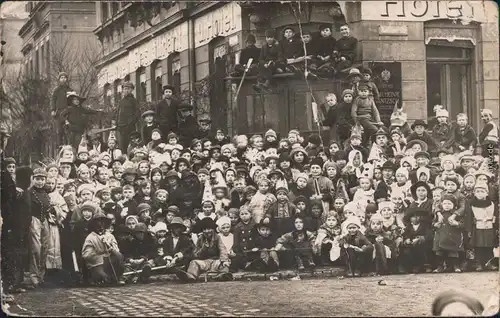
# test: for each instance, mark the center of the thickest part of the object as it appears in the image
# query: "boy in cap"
(311, 50)
(177, 247)
(37, 201)
(419, 133)
(127, 115)
(210, 254)
(264, 242)
(364, 112)
(290, 47)
(142, 249)
(325, 47)
(247, 53)
(345, 49)
(75, 118)
(367, 78)
(270, 61)
(147, 129)
(59, 102)
(166, 111)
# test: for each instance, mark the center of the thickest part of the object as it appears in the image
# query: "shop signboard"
(387, 77)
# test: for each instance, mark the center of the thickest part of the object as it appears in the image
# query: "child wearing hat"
(338, 116)
(415, 236)
(327, 242)
(148, 125)
(243, 239)
(266, 260)
(247, 53)
(325, 46)
(280, 214)
(210, 254)
(448, 237)
(441, 132)
(481, 225)
(364, 112)
(177, 247)
(356, 248)
(101, 253)
(291, 48)
(368, 80)
(270, 61)
(345, 48)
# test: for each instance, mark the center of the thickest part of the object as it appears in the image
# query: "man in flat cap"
(127, 116)
(166, 111)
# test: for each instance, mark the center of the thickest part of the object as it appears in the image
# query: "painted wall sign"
(220, 22)
(173, 40)
(424, 10)
(387, 77)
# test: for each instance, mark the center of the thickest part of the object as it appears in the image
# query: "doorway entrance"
(449, 79)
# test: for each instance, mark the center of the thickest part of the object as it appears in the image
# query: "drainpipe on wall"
(191, 60)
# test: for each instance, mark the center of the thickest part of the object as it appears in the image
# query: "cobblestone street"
(403, 295)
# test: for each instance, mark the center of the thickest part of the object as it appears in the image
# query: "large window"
(157, 84)
(117, 90)
(174, 66)
(449, 77)
(141, 91)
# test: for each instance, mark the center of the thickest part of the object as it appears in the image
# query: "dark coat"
(166, 115)
(243, 239)
(290, 48)
(128, 111)
(339, 115)
(427, 206)
(481, 237)
(465, 138)
(187, 130)
(147, 131)
(325, 46)
(77, 116)
(358, 240)
(59, 100)
(184, 245)
(271, 53)
(346, 47)
(248, 53)
(448, 238)
(423, 232)
(142, 248)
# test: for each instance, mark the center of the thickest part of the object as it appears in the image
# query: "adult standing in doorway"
(128, 114)
(59, 103)
(166, 111)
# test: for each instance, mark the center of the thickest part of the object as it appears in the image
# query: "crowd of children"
(378, 200)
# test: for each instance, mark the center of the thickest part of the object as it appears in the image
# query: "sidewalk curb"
(320, 272)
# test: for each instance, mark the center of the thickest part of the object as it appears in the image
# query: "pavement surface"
(399, 295)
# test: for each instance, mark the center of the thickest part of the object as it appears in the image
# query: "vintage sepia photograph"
(249, 158)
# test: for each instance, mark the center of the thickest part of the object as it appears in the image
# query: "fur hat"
(418, 122)
(347, 91)
(454, 180)
(223, 220)
(269, 33)
(442, 113)
(450, 197)
(250, 38)
(418, 184)
(315, 139)
(403, 171)
(270, 132)
(317, 161)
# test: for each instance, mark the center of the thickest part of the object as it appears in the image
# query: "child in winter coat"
(448, 237)
(448, 164)
(441, 132)
(382, 242)
(327, 243)
(462, 136)
(338, 116)
(261, 201)
(300, 242)
(481, 225)
(281, 213)
(243, 242)
(264, 242)
(356, 247)
(415, 236)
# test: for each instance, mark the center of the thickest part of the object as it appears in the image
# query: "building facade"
(56, 36)
(444, 54)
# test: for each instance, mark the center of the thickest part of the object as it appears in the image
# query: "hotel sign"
(424, 10)
(220, 22)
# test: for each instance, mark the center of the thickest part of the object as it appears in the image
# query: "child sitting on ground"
(300, 242)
